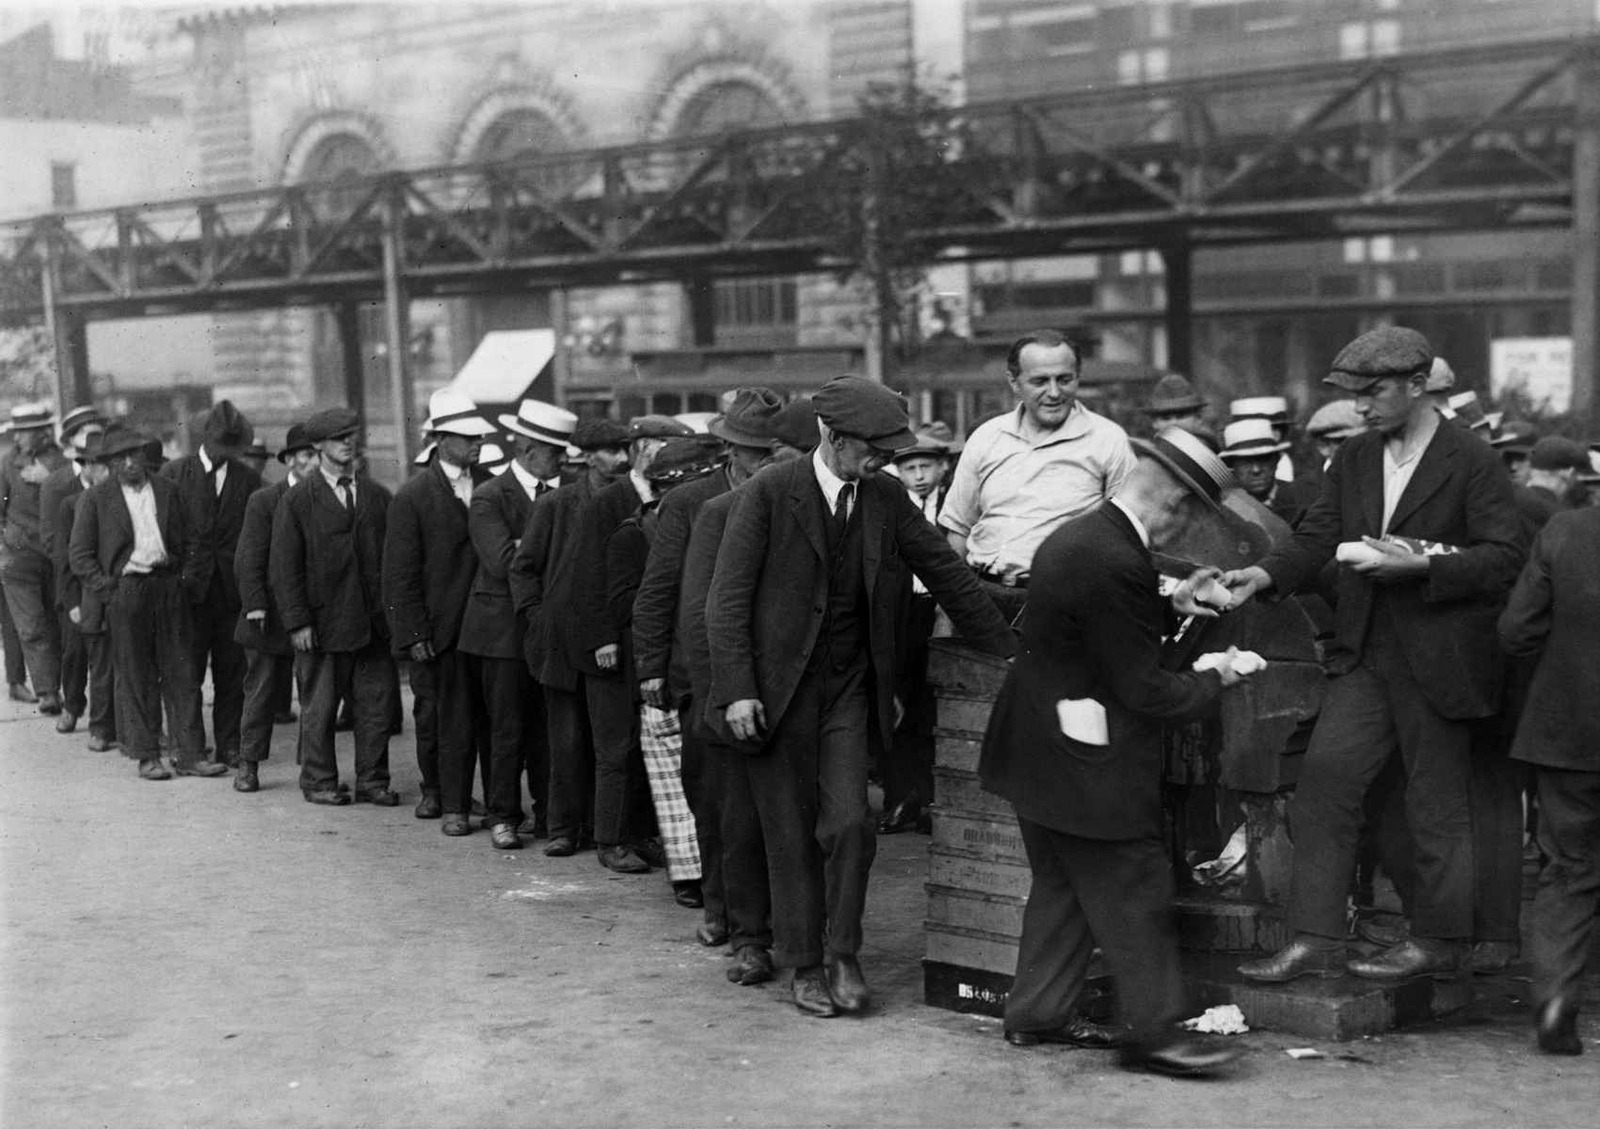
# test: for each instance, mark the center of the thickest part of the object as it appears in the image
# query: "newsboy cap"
(795, 424)
(332, 423)
(865, 409)
(657, 427)
(685, 457)
(595, 434)
(1392, 350)
(1557, 452)
(1337, 419)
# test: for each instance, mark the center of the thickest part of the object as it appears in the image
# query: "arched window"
(336, 160)
(725, 106)
(519, 134)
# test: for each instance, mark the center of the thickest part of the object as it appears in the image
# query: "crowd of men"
(688, 650)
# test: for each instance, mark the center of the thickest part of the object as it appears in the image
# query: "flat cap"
(865, 409)
(1173, 393)
(1337, 419)
(594, 434)
(685, 457)
(294, 440)
(1392, 350)
(1557, 452)
(795, 424)
(657, 427)
(331, 423)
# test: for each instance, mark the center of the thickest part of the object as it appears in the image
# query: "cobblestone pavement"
(176, 954)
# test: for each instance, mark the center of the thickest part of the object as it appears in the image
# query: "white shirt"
(221, 475)
(1138, 526)
(333, 484)
(460, 481)
(1397, 472)
(149, 550)
(929, 505)
(831, 485)
(530, 484)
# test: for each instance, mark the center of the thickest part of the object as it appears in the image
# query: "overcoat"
(594, 623)
(70, 592)
(768, 595)
(1554, 614)
(1459, 495)
(216, 519)
(102, 534)
(53, 536)
(327, 563)
(428, 563)
(699, 565)
(541, 585)
(1093, 629)
(492, 627)
(251, 570)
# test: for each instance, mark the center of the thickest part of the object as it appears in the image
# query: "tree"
(27, 363)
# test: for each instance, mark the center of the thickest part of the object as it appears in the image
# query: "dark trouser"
(619, 780)
(733, 856)
(214, 625)
(517, 738)
(1368, 714)
(153, 663)
(74, 666)
(571, 761)
(449, 715)
(261, 677)
(367, 678)
(30, 590)
(1564, 907)
(810, 790)
(283, 688)
(703, 788)
(1496, 838)
(102, 686)
(16, 665)
(907, 769)
(1086, 892)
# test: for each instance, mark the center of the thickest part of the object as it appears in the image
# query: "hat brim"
(1182, 474)
(284, 455)
(126, 447)
(896, 441)
(475, 427)
(1174, 407)
(1252, 451)
(728, 433)
(519, 426)
(942, 451)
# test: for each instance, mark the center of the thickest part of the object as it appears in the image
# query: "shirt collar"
(294, 479)
(641, 485)
(333, 479)
(451, 471)
(1138, 526)
(529, 483)
(1074, 426)
(205, 460)
(831, 483)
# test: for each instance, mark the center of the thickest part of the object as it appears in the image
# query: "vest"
(843, 638)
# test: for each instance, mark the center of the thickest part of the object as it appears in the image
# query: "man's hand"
(654, 692)
(421, 652)
(257, 617)
(1244, 583)
(607, 657)
(1398, 564)
(304, 639)
(75, 615)
(747, 719)
(1202, 581)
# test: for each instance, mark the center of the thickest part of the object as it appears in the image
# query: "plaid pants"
(661, 740)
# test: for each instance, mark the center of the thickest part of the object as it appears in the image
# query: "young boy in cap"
(800, 620)
(25, 569)
(77, 427)
(131, 546)
(326, 564)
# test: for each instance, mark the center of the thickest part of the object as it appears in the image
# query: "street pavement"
(176, 954)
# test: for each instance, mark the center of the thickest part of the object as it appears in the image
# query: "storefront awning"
(505, 365)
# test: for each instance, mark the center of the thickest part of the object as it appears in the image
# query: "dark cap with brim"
(120, 439)
(867, 410)
(332, 423)
(294, 440)
(1390, 351)
(598, 434)
(1186, 457)
(1557, 452)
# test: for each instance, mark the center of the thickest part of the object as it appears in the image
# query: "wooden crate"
(960, 871)
(996, 838)
(971, 948)
(955, 751)
(966, 909)
(957, 790)
(961, 716)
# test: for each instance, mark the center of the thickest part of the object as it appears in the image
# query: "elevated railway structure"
(1494, 137)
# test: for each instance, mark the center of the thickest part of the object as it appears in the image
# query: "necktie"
(344, 490)
(841, 508)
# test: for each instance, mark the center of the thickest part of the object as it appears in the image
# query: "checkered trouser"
(662, 741)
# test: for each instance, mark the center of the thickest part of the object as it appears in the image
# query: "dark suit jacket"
(1554, 614)
(1535, 506)
(541, 584)
(428, 563)
(627, 551)
(1093, 630)
(1459, 495)
(102, 535)
(252, 561)
(592, 622)
(216, 520)
(492, 626)
(53, 536)
(767, 599)
(699, 565)
(1290, 500)
(658, 651)
(69, 589)
(20, 500)
(326, 563)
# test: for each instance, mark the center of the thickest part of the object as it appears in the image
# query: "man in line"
(1074, 743)
(493, 631)
(620, 789)
(260, 630)
(1251, 449)
(83, 625)
(1413, 661)
(214, 487)
(130, 546)
(542, 583)
(1554, 464)
(801, 624)
(326, 565)
(77, 426)
(1024, 474)
(1275, 410)
(24, 568)
(1175, 403)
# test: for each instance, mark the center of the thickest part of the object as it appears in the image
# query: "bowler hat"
(119, 439)
(595, 434)
(226, 427)
(331, 423)
(1392, 350)
(934, 439)
(294, 440)
(452, 412)
(865, 409)
(1172, 394)
(1250, 439)
(1187, 458)
(657, 427)
(542, 422)
(685, 457)
(747, 420)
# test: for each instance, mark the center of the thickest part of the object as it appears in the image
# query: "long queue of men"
(688, 652)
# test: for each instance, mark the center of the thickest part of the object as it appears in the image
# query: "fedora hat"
(452, 412)
(541, 422)
(120, 439)
(1173, 394)
(1188, 459)
(1250, 438)
(934, 439)
(226, 428)
(747, 420)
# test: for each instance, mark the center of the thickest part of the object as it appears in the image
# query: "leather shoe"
(1194, 1056)
(687, 894)
(1300, 957)
(532, 828)
(20, 693)
(456, 825)
(622, 860)
(245, 778)
(846, 984)
(561, 847)
(1490, 957)
(153, 769)
(902, 817)
(50, 703)
(811, 992)
(429, 806)
(712, 932)
(1558, 1028)
(67, 722)
(1075, 1032)
(331, 797)
(102, 744)
(382, 797)
(505, 837)
(1415, 957)
(652, 852)
(752, 965)
(199, 768)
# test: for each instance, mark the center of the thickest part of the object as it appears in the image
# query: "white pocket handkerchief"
(1083, 720)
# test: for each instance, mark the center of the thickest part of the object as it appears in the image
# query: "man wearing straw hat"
(83, 626)
(77, 426)
(1251, 448)
(24, 568)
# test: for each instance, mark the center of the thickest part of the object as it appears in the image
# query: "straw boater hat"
(1250, 439)
(78, 419)
(934, 439)
(451, 412)
(1274, 408)
(30, 417)
(494, 458)
(1467, 410)
(1337, 419)
(541, 422)
(1186, 457)
(1173, 394)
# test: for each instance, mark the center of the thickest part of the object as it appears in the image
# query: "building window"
(338, 161)
(756, 304)
(63, 184)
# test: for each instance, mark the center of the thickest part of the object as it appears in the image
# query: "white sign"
(1539, 368)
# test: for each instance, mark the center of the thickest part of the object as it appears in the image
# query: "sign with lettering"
(1538, 368)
